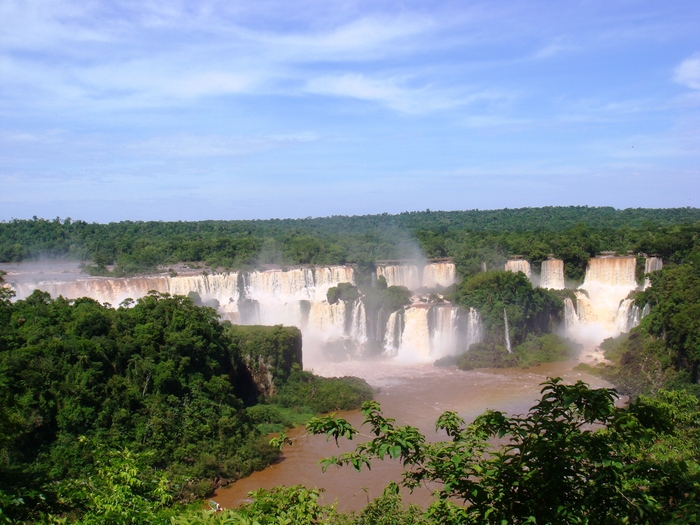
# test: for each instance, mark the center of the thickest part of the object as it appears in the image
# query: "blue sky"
(226, 110)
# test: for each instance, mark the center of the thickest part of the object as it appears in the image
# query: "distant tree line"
(473, 238)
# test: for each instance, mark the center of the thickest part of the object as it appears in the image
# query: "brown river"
(413, 395)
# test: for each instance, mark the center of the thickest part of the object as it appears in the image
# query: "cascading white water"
(424, 333)
(442, 321)
(400, 275)
(297, 297)
(439, 274)
(625, 318)
(519, 265)
(274, 285)
(474, 328)
(584, 309)
(634, 317)
(611, 271)
(507, 331)
(222, 288)
(651, 264)
(414, 345)
(604, 309)
(327, 321)
(394, 329)
(552, 275)
(358, 326)
(279, 295)
(327, 276)
(571, 321)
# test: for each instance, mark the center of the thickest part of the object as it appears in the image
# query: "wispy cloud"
(688, 72)
(122, 57)
(556, 47)
(62, 144)
(395, 93)
(186, 145)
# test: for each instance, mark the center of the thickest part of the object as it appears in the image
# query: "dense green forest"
(472, 238)
(163, 384)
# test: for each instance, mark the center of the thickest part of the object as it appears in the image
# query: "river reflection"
(413, 395)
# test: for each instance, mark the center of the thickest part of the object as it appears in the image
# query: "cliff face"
(268, 354)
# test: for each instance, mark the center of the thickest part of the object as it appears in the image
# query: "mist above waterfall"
(297, 297)
(422, 329)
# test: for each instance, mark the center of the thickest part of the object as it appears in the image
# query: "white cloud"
(189, 145)
(304, 136)
(688, 72)
(368, 38)
(101, 56)
(163, 78)
(389, 92)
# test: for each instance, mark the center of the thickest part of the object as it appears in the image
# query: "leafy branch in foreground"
(574, 458)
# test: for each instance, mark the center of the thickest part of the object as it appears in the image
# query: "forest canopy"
(163, 385)
(473, 238)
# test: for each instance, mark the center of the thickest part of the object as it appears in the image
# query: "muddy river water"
(413, 395)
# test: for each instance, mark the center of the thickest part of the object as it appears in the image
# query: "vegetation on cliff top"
(472, 238)
(534, 351)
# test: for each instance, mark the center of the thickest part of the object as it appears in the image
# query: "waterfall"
(625, 316)
(443, 325)
(571, 321)
(329, 276)
(400, 275)
(439, 274)
(414, 344)
(604, 309)
(474, 328)
(651, 264)
(552, 275)
(327, 321)
(277, 285)
(394, 329)
(297, 297)
(645, 311)
(584, 309)
(222, 288)
(358, 326)
(634, 316)
(294, 297)
(519, 265)
(608, 282)
(422, 333)
(507, 334)
(612, 271)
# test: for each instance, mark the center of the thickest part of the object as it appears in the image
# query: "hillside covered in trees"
(163, 385)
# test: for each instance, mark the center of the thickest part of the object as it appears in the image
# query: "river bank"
(413, 395)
